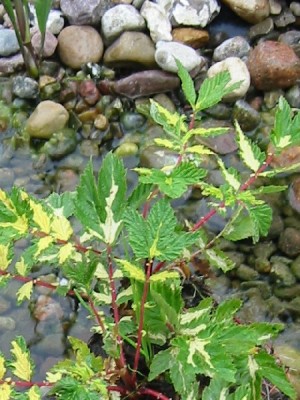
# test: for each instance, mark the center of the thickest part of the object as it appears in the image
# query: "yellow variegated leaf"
(53, 377)
(199, 149)
(24, 293)
(34, 393)
(165, 143)
(143, 171)
(132, 271)
(61, 228)
(20, 225)
(40, 217)
(65, 252)
(2, 368)
(5, 391)
(162, 276)
(43, 244)
(21, 267)
(230, 178)
(4, 257)
(21, 367)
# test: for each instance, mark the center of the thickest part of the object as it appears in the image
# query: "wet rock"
(287, 157)
(255, 308)
(262, 265)
(251, 11)
(220, 111)
(261, 29)
(293, 96)
(89, 92)
(46, 307)
(101, 122)
(295, 267)
(131, 47)
(131, 121)
(78, 45)
(141, 84)
(25, 88)
(60, 144)
(287, 293)
(285, 18)
(275, 7)
(294, 194)
(84, 12)
(156, 157)
(281, 274)
(5, 117)
(294, 307)
(238, 72)
(289, 242)
(264, 249)
(51, 344)
(89, 148)
(5, 305)
(246, 273)
(8, 42)
(247, 117)
(193, 13)
(263, 287)
(167, 52)
(50, 43)
(192, 37)
(237, 46)
(165, 101)
(7, 324)
(66, 179)
(221, 144)
(7, 176)
(127, 150)
(273, 65)
(157, 21)
(119, 19)
(47, 118)
(8, 65)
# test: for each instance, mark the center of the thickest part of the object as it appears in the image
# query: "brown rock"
(78, 45)
(131, 47)
(195, 38)
(89, 92)
(273, 65)
(286, 158)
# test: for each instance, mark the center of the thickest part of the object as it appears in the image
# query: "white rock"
(238, 72)
(167, 52)
(55, 22)
(119, 19)
(157, 21)
(191, 12)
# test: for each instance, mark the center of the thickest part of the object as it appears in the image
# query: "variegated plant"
(178, 345)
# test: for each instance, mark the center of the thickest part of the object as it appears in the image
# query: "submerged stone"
(141, 84)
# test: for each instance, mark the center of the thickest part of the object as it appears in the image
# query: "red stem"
(97, 316)
(244, 187)
(153, 393)
(142, 315)
(22, 384)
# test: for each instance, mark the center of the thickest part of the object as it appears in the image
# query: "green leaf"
(261, 216)
(42, 8)
(230, 175)
(250, 153)
(139, 195)
(214, 89)
(204, 132)
(161, 362)
(177, 181)
(187, 84)
(240, 227)
(268, 189)
(132, 271)
(138, 233)
(62, 204)
(280, 135)
(22, 364)
(270, 370)
(25, 291)
(217, 390)
(81, 273)
(69, 388)
(219, 260)
(100, 206)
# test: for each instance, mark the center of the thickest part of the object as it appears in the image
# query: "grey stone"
(221, 144)
(233, 47)
(275, 7)
(50, 43)
(287, 292)
(6, 177)
(247, 117)
(25, 87)
(167, 52)
(293, 96)
(119, 19)
(84, 12)
(261, 29)
(284, 19)
(55, 22)
(157, 21)
(7, 324)
(264, 250)
(8, 42)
